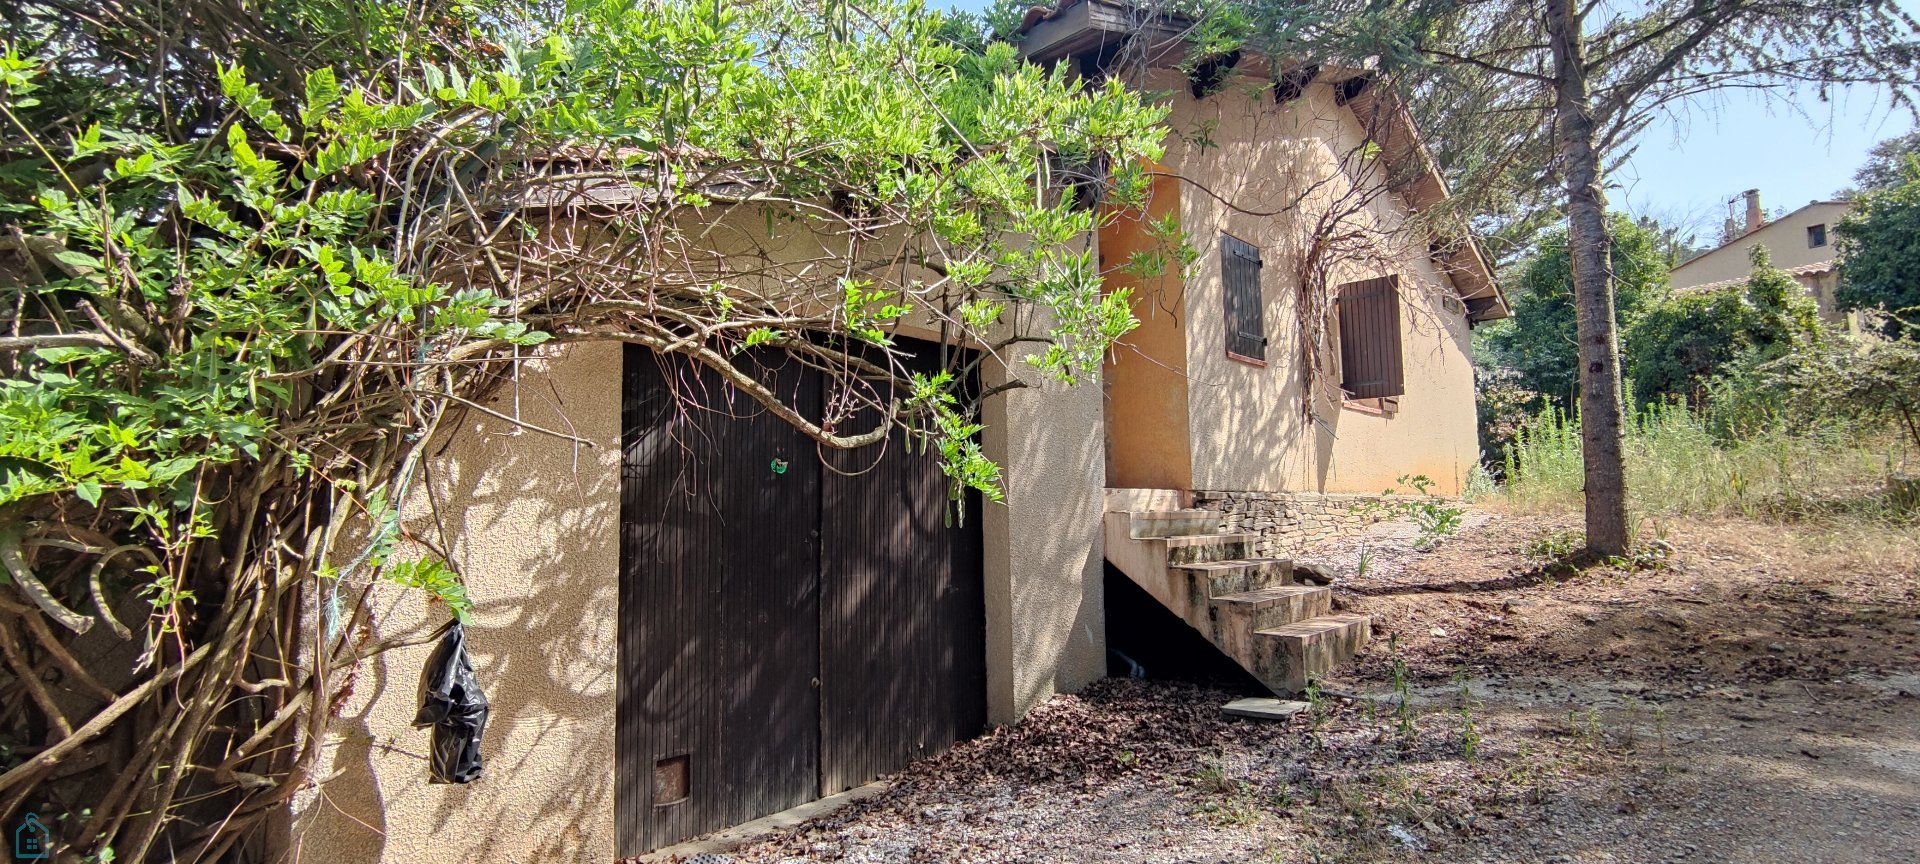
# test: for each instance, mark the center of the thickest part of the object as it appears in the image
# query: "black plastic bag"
(451, 702)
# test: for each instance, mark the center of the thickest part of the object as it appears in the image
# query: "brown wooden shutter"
(1370, 339)
(1246, 315)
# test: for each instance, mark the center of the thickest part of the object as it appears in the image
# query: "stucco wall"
(1145, 375)
(1046, 622)
(531, 521)
(1785, 239)
(1270, 172)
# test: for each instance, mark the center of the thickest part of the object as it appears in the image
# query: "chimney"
(1755, 218)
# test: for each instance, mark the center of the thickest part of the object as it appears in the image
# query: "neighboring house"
(694, 623)
(1801, 243)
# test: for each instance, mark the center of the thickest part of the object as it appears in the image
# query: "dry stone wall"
(1287, 522)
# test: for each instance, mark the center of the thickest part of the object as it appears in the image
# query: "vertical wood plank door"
(903, 628)
(719, 637)
(793, 623)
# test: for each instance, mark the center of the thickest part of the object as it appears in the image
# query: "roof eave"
(1076, 26)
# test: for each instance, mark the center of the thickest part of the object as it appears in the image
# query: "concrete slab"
(1263, 709)
(714, 846)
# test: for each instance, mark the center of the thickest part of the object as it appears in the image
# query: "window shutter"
(1370, 339)
(1246, 315)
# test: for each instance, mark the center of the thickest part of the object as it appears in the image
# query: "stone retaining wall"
(1290, 521)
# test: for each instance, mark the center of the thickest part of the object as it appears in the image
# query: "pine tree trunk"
(1590, 250)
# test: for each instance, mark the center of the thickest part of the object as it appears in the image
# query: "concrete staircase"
(1248, 606)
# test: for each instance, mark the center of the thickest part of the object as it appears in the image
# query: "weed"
(1660, 737)
(1366, 562)
(1233, 811)
(1432, 515)
(1563, 553)
(1317, 713)
(1469, 729)
(1404, 714)
(1676, 464)
(1586, 727)
(1212, 777)
(1556, 545)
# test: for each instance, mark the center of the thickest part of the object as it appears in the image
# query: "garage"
(793, 622)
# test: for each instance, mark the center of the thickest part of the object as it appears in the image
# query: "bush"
(1505, 407)
(1686, 341)
(1871, 381)
(1880, 260)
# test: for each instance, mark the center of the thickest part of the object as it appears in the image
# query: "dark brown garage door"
(788, 629)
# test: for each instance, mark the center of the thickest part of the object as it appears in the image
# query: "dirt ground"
(1751, 696)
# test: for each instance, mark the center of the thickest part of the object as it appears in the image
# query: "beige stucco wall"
(1279, 167)
(531, 521)
(1785, 239)
(1046, 619)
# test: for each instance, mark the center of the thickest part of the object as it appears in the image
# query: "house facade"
(1800, 242)
(665, 658)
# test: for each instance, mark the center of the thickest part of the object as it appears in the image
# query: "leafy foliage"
(1879, 246)
(1435, 517)
(1874, 381)
(256, 267)
(1887, 164)
(1504, 406)
(1537, 343)
(1684, 342)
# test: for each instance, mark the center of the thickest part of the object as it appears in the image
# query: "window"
(1369, 314)
(1246, 315)
(1816, 235)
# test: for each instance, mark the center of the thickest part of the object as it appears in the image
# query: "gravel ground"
(1752, 697)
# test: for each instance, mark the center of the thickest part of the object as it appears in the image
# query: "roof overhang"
(1075, 27)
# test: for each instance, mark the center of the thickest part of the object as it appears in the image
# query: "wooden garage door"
(789, 629)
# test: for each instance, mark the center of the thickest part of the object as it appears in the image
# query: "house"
(694, 622)
(1800, 242)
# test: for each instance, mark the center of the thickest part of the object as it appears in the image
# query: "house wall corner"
(1046, 621)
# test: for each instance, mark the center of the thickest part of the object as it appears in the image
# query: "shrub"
(1686, 341)
(1880, 262)
(1872, 381)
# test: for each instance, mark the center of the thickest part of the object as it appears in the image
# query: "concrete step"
(1184, 549)
(1235, 619)
(1171, 523)
(1285, 657)
(1277, 606)
(1235, 575)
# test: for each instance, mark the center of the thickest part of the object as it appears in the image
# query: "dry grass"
(1678, 466)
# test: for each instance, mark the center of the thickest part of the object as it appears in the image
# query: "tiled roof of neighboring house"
(1818, 268)
(1075, 26)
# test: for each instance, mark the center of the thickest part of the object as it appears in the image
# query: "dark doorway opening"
(1146, 640)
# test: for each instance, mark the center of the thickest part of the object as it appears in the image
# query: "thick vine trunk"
(1590, 250)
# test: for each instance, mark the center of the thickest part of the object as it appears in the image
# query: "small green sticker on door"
(779, 466)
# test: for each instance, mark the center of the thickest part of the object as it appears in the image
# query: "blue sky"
(1793, 147)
